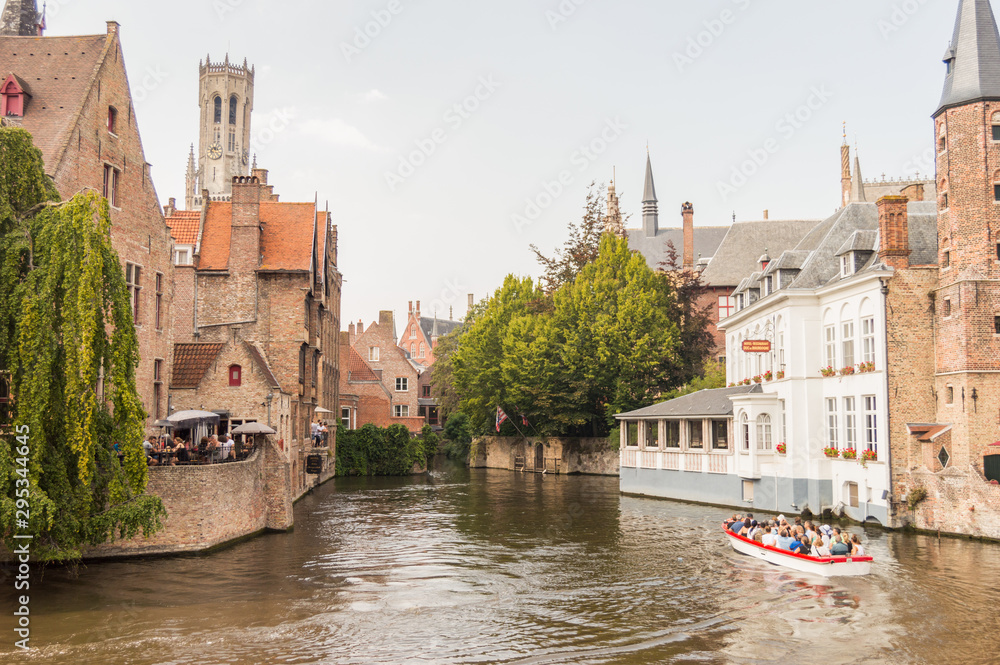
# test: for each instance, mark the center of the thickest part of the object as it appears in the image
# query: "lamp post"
(270, 397)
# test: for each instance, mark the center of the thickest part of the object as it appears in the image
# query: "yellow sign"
(756, 346)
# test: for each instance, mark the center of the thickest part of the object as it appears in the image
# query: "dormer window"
(768, 285)
(12, 97)
(846, 269)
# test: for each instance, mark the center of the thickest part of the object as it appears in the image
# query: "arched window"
(745, 431)
(413, 349)
(763, 432)
(218, 109)
(233, 105)
(235, 376)
(413, 330)
(423, 353)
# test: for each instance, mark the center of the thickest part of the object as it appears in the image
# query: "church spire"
(845, 170)
(21, 18)
(857, 182)
(973, 58)
(613, 222)
(192, 181)
(650, 205)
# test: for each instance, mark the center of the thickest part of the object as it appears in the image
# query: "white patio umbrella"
(253, 428)
(196, 421)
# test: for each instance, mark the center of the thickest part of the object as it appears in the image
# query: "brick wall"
(586, 456)
(391, 365)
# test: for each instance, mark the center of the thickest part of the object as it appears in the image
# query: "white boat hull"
(826, 567)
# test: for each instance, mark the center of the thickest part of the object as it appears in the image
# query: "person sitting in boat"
(858, 550)
(767, 536)
(810, 531)
(785, 539)
(827, 534)
(839, 547)
(758, 536)
(819, 548)
(737, 526)
(732, 520)
(800, 545)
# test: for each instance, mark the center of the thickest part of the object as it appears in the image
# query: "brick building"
(73, 95)
(944, 332)
(257, 326)
(380, 383)
(419, 339)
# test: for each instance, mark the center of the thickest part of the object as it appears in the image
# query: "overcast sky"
(510, 97)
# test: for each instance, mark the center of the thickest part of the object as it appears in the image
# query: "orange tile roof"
(286, 240)
(357, 368)
(184, 226)
(191, 361)
(58, 72)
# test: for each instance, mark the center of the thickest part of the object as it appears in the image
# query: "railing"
(628, 458)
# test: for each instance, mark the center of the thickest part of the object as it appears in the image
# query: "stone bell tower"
(225, 96)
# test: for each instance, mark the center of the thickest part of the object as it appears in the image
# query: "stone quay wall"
(553, 455)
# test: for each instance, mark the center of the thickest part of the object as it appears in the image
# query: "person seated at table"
(147, 447)
(183, 455)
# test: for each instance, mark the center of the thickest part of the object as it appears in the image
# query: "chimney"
(334, 239)
(361, 327)
(170, 208)
(451, 313)
(410, 308)
(767, 215)
(417, 313)
(894, 231)
(687, 212)
(260, 174)
(351, 329)
(246, 201)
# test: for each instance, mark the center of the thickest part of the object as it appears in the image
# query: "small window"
(233, 106)
(946, 260)
(726, 306)
(112, 119)
(235, 376)
(632, 435)
(673, 439)
(943, 142)
(745, 432)
(845, 265)
(852, 495)
(413, 350)
(401, 411)
(133, 281)
(944, 200)
(373, 354)
(720, 435)
(427, 391)
(996, 126)
(159, 301)
(413, 330)
(748, 491)
(695, 435)
(949, 395)
(218, 113)
(111, 178)
(345, 417)
(652, 434)
(946, 308)
(764, 441)
(402, 385)
(996, 192)
(423, 352)
(996, 325)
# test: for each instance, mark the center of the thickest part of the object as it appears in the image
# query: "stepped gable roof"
(745, 243)
(287, 239)
(261, 362)
(191, 361)
(704, 403)
(444, 326)
(358, 369)
(706, 242)
(184, 226)
(59, 71)
(973, 57)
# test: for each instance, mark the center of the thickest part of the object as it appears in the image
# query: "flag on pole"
(501, 418)
(524, 420)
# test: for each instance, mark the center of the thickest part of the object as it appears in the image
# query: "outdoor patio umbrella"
(196, 421)
(253, 428)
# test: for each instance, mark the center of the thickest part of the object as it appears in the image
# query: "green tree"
(693, 312)
(580, 249)
(458, 433)
(714, 377)
(68, 340)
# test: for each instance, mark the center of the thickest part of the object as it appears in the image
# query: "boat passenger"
(839, 548)
(856, 542)
(785, 539)
(767, 537)
(737, 526)
(758, 536)
(819, 548)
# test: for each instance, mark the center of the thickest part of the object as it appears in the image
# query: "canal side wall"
(958, 503)
(590, 456)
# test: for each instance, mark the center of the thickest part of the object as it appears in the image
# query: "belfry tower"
(226, 100)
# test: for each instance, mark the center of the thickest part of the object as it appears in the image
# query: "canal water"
(493, 567)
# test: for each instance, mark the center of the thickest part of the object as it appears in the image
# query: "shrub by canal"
(377, 451)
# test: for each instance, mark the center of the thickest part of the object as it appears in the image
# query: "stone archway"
(539, 457)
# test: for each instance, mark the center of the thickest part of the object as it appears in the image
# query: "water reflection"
(492, 567)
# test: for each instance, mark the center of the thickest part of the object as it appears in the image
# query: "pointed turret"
(857, 182)
(21, 18)
(613, 222)
(973, 58)
(192, 182)
(650, 205)
(845, 170)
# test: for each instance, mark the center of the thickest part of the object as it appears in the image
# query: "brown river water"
(493, 567)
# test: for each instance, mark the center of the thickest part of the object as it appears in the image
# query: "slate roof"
(184, 226)
(357, 368)
(191, 361)
(258, 358)
(706, 242)
(974, 53)
(59, 71)
(855, 227)
(444, 326)
(705, 403)
(745, 243)
(286, 239)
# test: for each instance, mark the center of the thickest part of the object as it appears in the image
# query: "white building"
(806, 350)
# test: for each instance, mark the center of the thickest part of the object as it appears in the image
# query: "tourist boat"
(834, 566)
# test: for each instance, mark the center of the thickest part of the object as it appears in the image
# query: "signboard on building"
(314, 464)
(756, 346)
